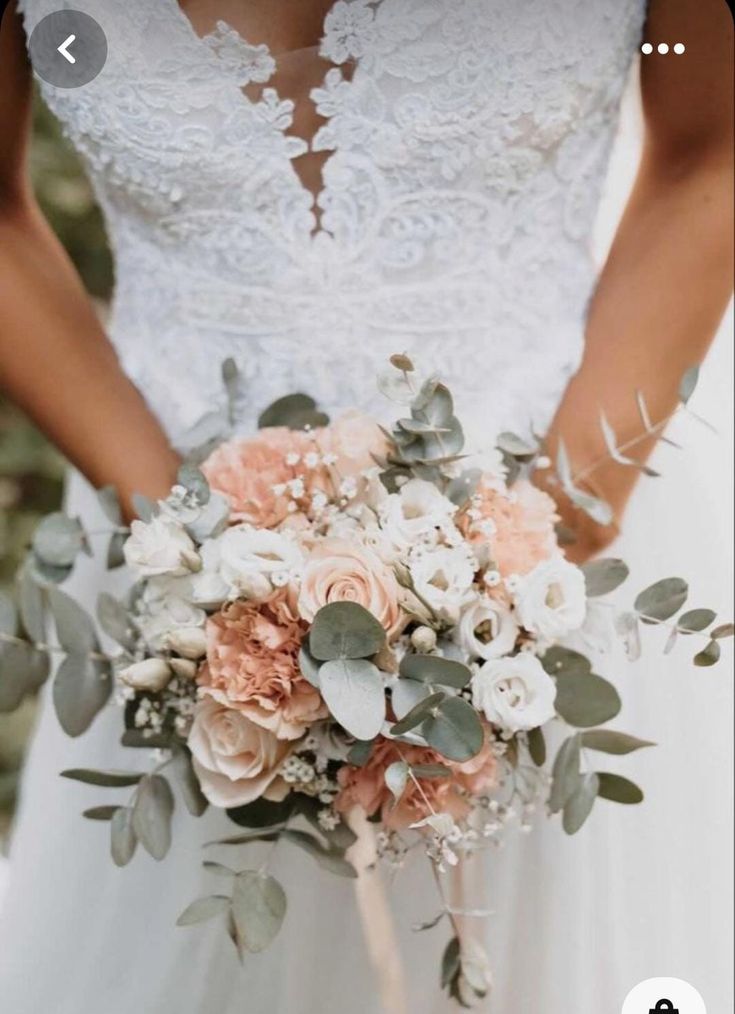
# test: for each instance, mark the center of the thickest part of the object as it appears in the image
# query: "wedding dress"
(468, 142)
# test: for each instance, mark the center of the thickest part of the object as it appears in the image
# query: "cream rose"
(160, 546)
(255, 561)
(486, 629)
(551, 600)
(342, 571)
(514, 693)
(443, 578)
(235, 760)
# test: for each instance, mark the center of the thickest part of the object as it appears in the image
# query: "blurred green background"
(31, 471)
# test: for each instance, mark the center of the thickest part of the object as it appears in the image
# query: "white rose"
(253, 561)
(486, 629)
(165, 614)
(551, 600)
(514, 693)
(160, 546)
(414, 514)
(152, 674)
(235, 760)
(189, 642)
(443, 578)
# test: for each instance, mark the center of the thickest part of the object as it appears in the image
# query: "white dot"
(646, 48)
(679, 48)
(663, 48)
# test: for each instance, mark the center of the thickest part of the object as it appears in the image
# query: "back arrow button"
(64, 49)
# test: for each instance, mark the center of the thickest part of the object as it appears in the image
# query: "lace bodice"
(468, 144)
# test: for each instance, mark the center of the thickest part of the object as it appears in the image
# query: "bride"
(309, 187)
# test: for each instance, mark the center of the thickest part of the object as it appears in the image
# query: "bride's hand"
(668, 277)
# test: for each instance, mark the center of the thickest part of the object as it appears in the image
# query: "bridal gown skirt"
(639, 892)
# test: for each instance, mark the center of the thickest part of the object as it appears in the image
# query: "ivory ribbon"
(376, 917)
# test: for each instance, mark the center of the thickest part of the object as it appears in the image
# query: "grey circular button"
(68, 49)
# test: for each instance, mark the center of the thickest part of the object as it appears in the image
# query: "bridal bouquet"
(332, 617)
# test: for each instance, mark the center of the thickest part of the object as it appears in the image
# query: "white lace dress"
(468, 142)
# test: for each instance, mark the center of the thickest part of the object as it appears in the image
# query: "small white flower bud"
(190, 642)
(185, 668)
(424, 639)
(151, 674)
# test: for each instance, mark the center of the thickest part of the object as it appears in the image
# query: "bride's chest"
(420, 93)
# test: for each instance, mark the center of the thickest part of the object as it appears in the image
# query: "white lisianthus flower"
(443, 578)
(551, 600)
(254, 561)
(415, 514)
(514, 693)
(486, 629)
(152, 674)
(160, 546)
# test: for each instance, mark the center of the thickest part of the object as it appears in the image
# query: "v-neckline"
(319, 199)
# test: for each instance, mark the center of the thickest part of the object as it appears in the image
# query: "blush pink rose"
(342, 571)
(235, 760)
(246, 472)
(523, 524)
(252, 665)
(365, 786)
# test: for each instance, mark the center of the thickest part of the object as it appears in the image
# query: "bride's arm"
(55, 360)
(668, 277)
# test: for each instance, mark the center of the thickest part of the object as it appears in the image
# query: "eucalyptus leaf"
(116, 550)
(219, 869)
(564, 661)
(194, 799)
(688, 384)
(152, 812)
(618, 789)
(460, 489)
(81, 688)
(661, 600)
(309, 666)
(455, 731)
(109, 501)
(709, 655)
(101, 813)
(105, 779)
(15, 674)
(8, 615)
(74, 628)
(585, 700)
(353, 691)
(537, 747)
(628, 630)
(258, 909)
(231, 381)
(406, 694)
(417, 714)
(262, 812)
(604, 576)
(203, 909)
(579, 805)
(451, 962)
(113, 618)
(295, 411)
(396, 779)
(345, 630)
(123, 840)
(32, 607)
(435, 669)
(724, 630)
(609, 741)
(58, 540)
(329, 859)
(695, 620)
(431, 770)
(144, 507)
(565, 773)
(514, 445)
(360, 752)
(194, 482)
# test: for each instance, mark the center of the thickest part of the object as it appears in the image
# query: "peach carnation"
(252, 665)
(353, 439)
(253, 473)
(365, 786)
(521, 531)
(342, 571)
